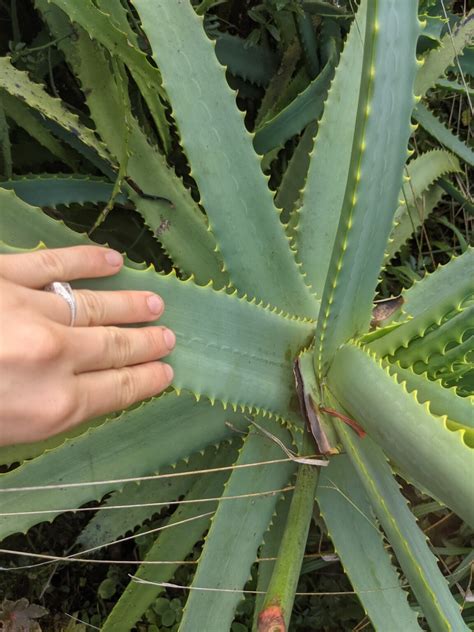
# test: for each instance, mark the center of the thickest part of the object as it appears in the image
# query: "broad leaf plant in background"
(281, 359)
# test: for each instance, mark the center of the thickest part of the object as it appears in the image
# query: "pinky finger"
(116, 389)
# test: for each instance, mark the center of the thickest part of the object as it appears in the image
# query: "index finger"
(37, 269)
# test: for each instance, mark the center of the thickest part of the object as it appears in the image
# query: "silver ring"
(64, 290)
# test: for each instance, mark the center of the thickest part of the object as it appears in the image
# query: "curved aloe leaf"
(174, 427)
(373, 184)
(438, 59)
(359, 543)
(173, 543)
(442, 401)
(236, 532)
(47, 190)
(406, 538)
(421, 444)
(251, 62)
(240, 209)
(17, 83)
(328, 170)
(305, 108)
(26, 118)
(442, 133)
(448, 285)
(176, 223)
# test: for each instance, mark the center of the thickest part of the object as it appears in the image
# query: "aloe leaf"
(436, 340)
(278, 603)
(374, 183)
(173, 544)
(50, 191)
(25, 118)
(442, 401)
(109, 524)
(25, 226)
(329, 167)
(305, 108)
(359, 543)
(406, 538)
(269, 549)
(442, 133)
(236, 532)
(176, 223)
(424, 170)
(174, 427)
(439, 59)
(17, 84)
(251, 62)
(455, 86)
(241, 353)
(448, 285)
(410, 217)
(460, 197)
(294, 178)
(422, 445)
(119, 15)
(100, 27)
(240, 210)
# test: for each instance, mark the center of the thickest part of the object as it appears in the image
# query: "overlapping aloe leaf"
(431, 455)
(228, 348)
(174, 543)
(442, 133)
(141, 501)
(25, 118)
(16, 83)
(437, 60)
(251, 62)
(359, 543)
(329, 166)
(100, 27)
(174, 427)
(447, 287)
(236, 521)
(442, 401)
(176, 223)
(305, 108)
(373, 184)
(240, 208)
(410, 217)
(50, 191)
(406, 538)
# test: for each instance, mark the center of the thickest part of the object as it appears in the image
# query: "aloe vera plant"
(255, 301)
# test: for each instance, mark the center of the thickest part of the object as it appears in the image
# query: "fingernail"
(168, 372)
(155, 304)
(114, 258)
(170, 338)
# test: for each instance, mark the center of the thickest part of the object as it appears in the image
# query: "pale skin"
(53, 376)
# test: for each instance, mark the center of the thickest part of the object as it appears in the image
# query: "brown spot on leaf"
(271, 620)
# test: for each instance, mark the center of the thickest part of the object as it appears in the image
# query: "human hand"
(53, 376)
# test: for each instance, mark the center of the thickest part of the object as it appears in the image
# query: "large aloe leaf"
(421, 444)
(406, 538)
(174, 427)
(377, 160)
(236, 521)
(176, 223)
(233, 190)
(359, 543)
(228, 348)
(173, 544)
(329, 167)
(141, 501)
